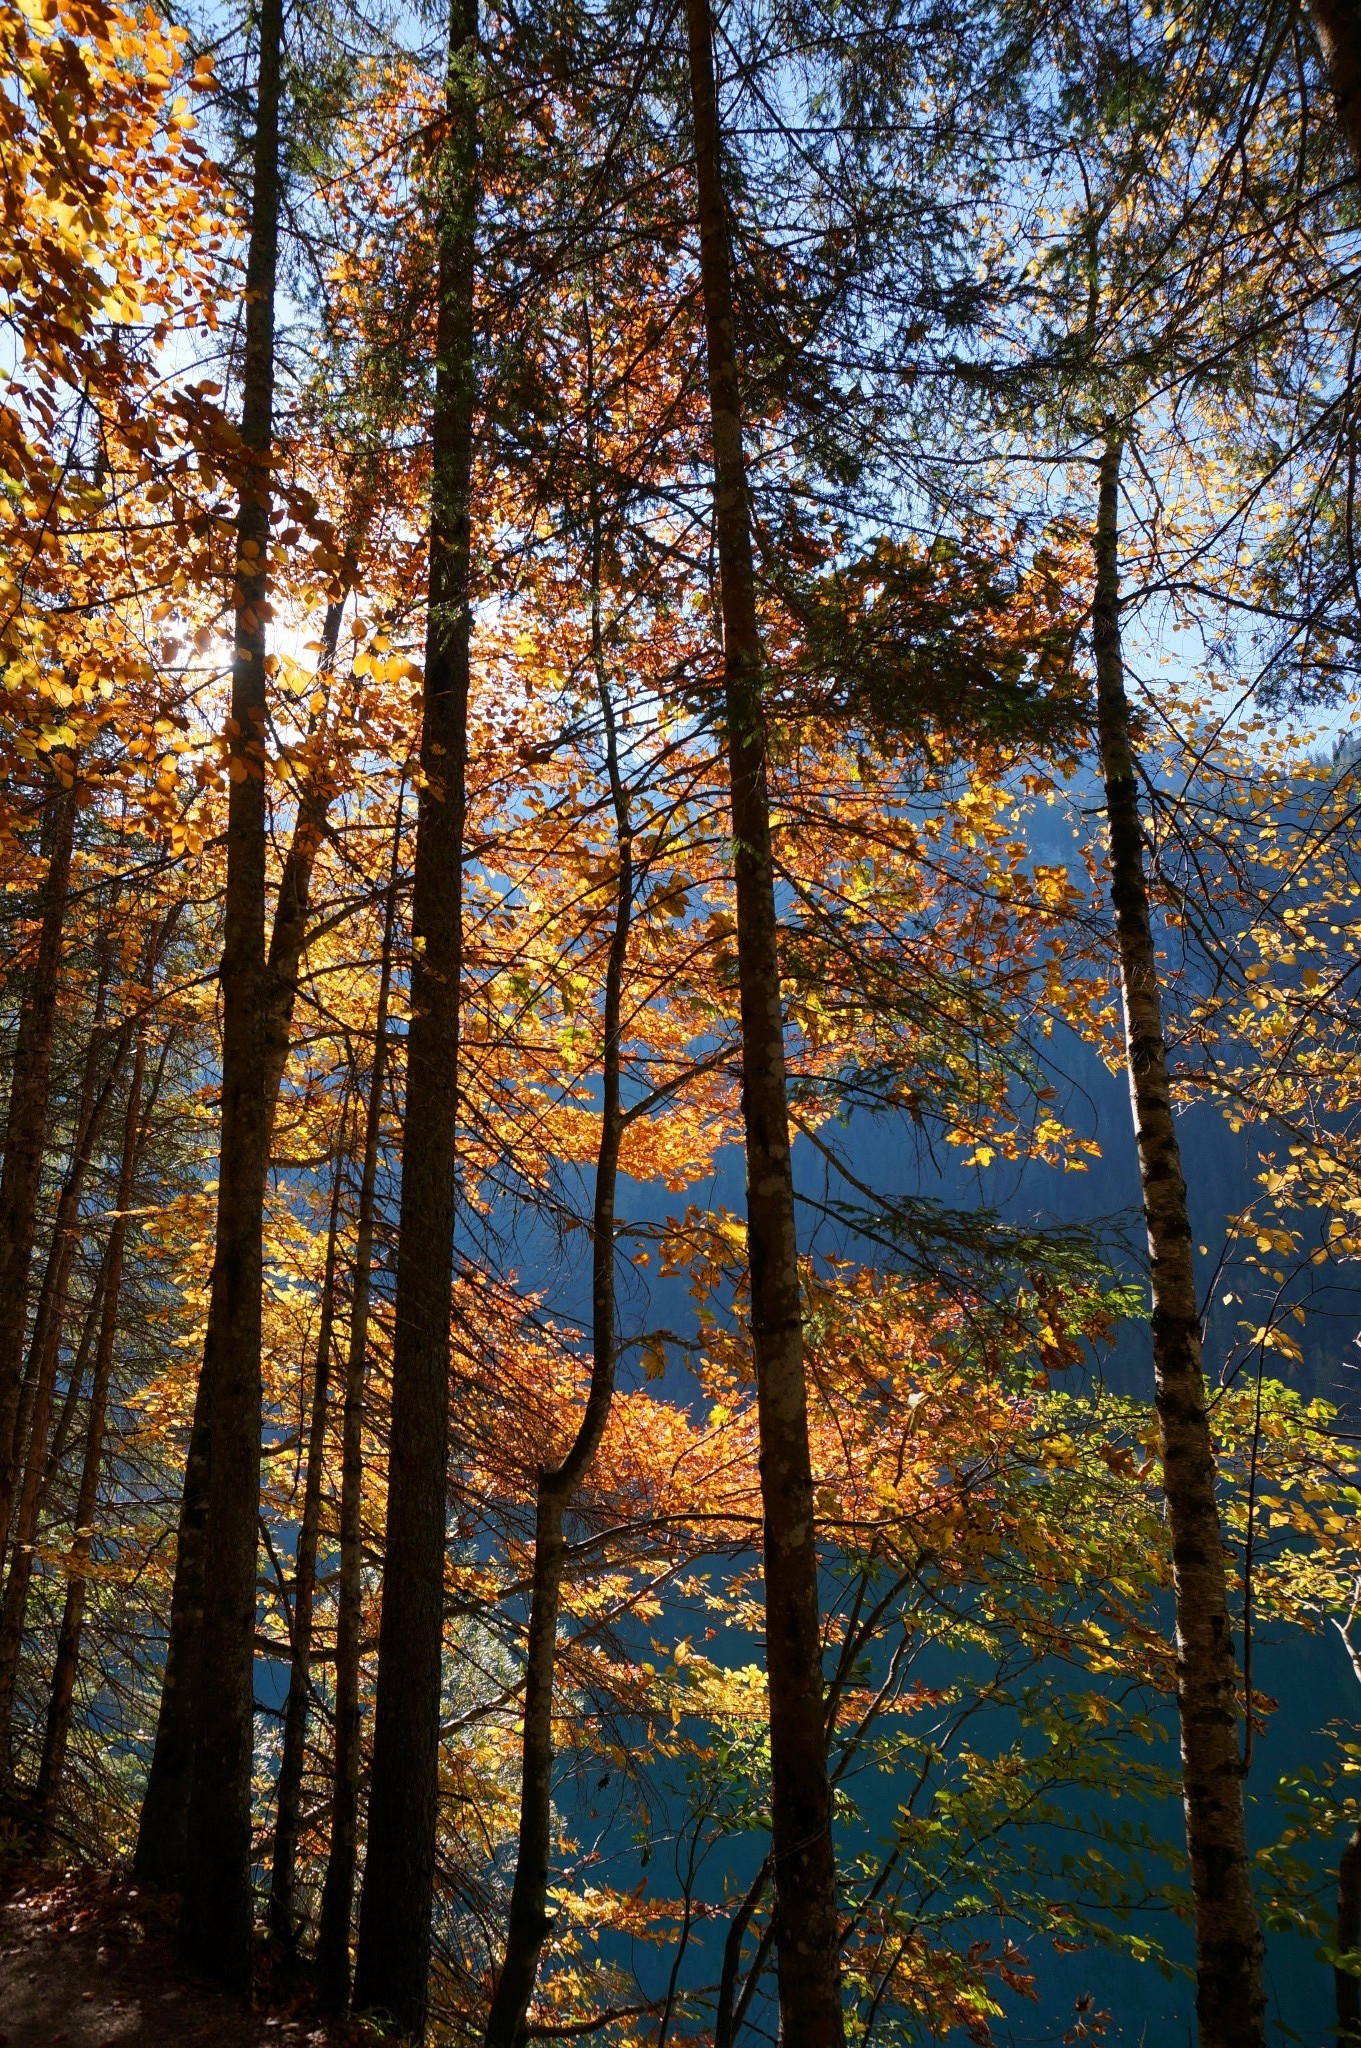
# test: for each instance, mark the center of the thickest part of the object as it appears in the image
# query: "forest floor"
(88, 1960)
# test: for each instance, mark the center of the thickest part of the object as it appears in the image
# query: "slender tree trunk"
(1337, 24)
(725, 2022)
(84, 1347)
(46, 1348)
(26, 1134)
(1229, 1996)
(64, 1427)
(392, 1963)
(337, 1895)
(52, 1289)
(283, 1912)
(801, 1834)
(288, 932)
(1346, 1983)
(58, 1729)
(217, 1921)
(529, 1919)
(165, 1802)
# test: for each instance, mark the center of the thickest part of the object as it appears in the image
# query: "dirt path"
(87, 1960)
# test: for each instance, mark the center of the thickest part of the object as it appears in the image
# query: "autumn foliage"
(496, 410)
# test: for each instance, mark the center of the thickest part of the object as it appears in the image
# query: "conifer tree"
(392, 1961)
(801, 1818)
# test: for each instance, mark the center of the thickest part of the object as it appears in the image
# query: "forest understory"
(89, 1959)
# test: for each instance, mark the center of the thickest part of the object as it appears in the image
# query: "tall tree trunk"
(529, 1920)
(337, 1894)
(393, 1958)
(801, 1833)
(46, 1348)
(1337, 24)
(57, 1732)
(217, 1920)
(283, 1912)
(1229, 1996)
(165, 1802)
(26, 1133)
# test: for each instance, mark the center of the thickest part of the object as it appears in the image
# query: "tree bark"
(1229, 1997)
(217, 1920)
(529, 1920)
(57, 1732)
(1337, 25)
(283, 1913)
(337, 1895)
(801, 1834)
(26, 1134)
(163, 1821)
(392, 1964)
